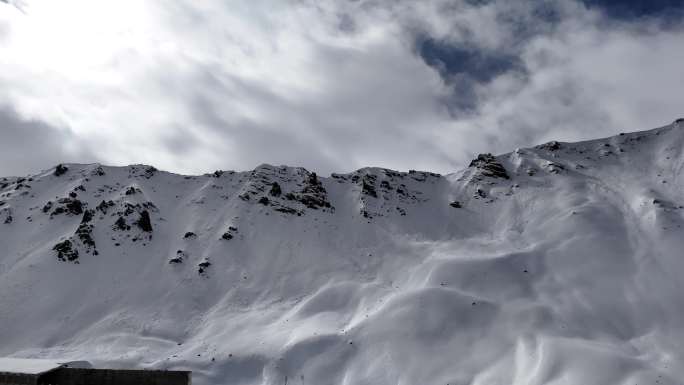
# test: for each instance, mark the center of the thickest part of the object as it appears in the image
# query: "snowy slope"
(559, 264)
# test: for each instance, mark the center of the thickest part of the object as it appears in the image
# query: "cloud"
(333, 85)
(28, 145)
(586, 80)
(630, 9)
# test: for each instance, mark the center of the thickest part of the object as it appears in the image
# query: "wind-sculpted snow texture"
(559, 264)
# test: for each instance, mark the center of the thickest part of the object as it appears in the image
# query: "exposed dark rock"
(550, 146)
(313, 201)
(189, 234)
(130, 208)
(368, 186)
(79, 188)
(68, 206)
(217, 173)
(150, 206)
(180, 255)
(203, 266)
(8, 219)
(313, 179)
(75, 207)
(230, 234)
(288, 210)
(87, 216)
(66, 251)
(121, 224)
(144, 221)
(98, 171)
(104, 206)
(313, 195)
(264, 201)
(456, 204)
(84, 233)
(275, 190)
(61, 170)
(73, 194)
(149, 172)
(132, 190)
(47, 207)
(489, 166)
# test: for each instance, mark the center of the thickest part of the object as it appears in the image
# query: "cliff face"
(556, 264)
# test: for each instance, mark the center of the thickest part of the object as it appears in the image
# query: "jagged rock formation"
(489, 166)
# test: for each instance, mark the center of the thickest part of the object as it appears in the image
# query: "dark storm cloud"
(480, 65)
(465, 68)
(29, 145)
(634, 9)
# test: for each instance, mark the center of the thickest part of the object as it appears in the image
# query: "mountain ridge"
(547, 265)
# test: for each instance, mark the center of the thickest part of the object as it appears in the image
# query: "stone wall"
(73, 376)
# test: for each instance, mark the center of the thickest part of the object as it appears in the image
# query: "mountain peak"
(553, 249)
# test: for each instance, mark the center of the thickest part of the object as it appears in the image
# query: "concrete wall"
(17, 379)
(72, 376)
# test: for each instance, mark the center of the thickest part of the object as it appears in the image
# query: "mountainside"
(558, 264)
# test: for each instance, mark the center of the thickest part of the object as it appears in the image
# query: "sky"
(330, 85)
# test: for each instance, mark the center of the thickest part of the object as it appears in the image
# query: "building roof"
(36, 366)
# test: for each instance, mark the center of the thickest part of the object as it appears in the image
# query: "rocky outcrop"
(276, 191)
(313, 195)
(267, 186)
(203, 266)
(121, 225)
(104, 206)
(68, 206)
(144, 222)
(180, 256)
(66, 251)
(230, 234)
(550, 146)
(60, 170)
(489, 166)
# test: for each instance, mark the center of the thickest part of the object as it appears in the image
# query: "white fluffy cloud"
(194, 86)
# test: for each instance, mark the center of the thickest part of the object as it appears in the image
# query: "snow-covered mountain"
(558, 264)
